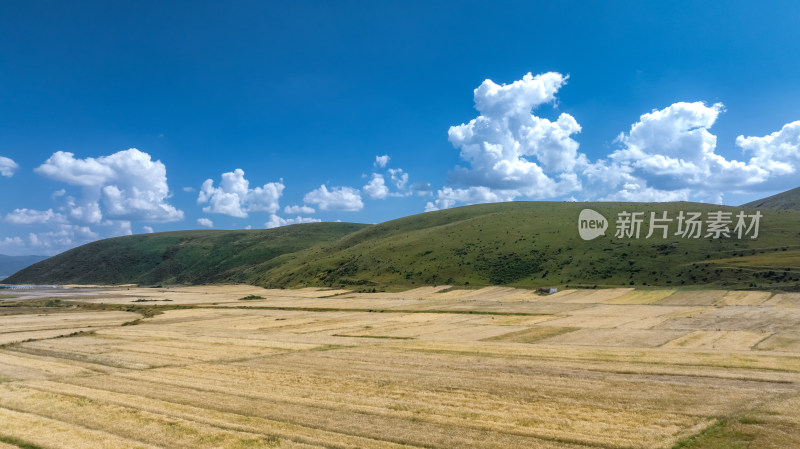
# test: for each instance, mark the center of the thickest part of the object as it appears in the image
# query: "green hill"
(526, 244)
(789, 200)
(181, 257)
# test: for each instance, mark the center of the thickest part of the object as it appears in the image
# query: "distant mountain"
(524, 244)
(11, 264)
(788, 200)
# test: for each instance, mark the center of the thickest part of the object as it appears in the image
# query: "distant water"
(26, 286)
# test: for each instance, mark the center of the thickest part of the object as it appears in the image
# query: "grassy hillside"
(537, 244)
(789, 200)
(191, 257)
(526, 244)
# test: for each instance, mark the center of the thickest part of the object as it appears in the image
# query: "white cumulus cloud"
(234, 196)
(63, 236)
(147, 229)
(205, 222)
(449, 197)
(299, 210)
(127, 184)
(399, 178)
(376, 187)
(7, 167)
(338, 198)
(381, 161)
(275, 221)
(32, 216)
(513, 151)
(670, 154)
(777, 153)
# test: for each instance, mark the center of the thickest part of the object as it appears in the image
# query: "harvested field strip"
(12, 363)
(127, 360)
(785, 300)
(532, 334)
(530, 381)
(640, 338)
(336, 424)
(744, 298)
(486, 293)
(127, 422)
(299, 409)
(641, 297)
(722, 340)
(379, 310)
(44, 432)
(17, 323)
(694, 298)
(477, 381)
(17, 337)
(272, 430)
(784, 342)
(790, 364)
(586, 296)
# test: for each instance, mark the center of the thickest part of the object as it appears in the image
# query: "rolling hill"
(181, 257)
(527, 244)
(789, 200)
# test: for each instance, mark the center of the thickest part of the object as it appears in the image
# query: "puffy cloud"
(777, 153)
(513, 151)
(147, 229)
(381, 161)
(234, 196)
(86, 210)
(399, 178)
(205, 222)
(118, 227)
(670, 155)
(376, 188)
(7, 167)
(276, 221)
(667, 155)
(64, 236)
(13, 246)
(338, 198)
(31, 216)
(449, 197)
(11, 242)
(128, 184)
(672, 149)
(299, 210)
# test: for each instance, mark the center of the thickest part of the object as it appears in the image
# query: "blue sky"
(626, 100)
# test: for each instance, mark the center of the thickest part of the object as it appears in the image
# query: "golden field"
(198, 367)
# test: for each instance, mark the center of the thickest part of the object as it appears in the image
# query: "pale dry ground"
(15, 328)
(489, 368)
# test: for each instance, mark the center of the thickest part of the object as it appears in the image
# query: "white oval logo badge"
(591, 224)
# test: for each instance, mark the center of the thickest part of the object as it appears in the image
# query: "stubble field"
(199, 367)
